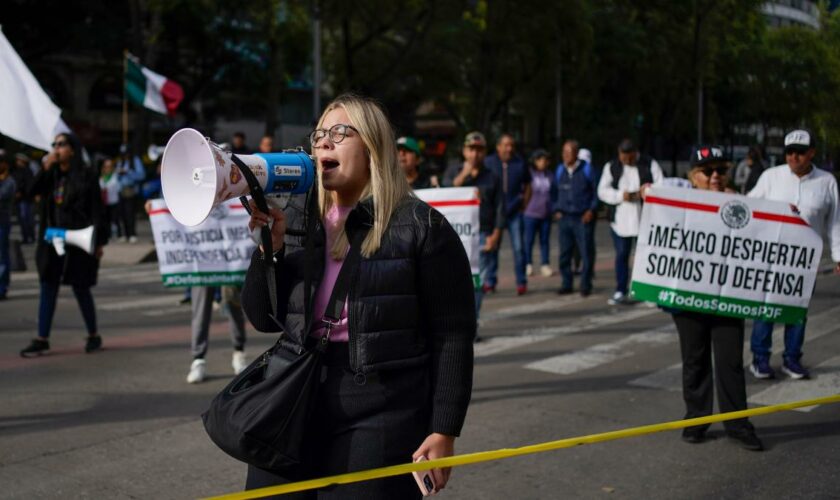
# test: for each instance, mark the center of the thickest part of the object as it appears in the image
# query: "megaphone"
(197, 174)
(79, 238)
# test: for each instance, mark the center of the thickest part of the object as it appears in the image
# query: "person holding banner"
(399, 361)
(706, 336)
(813, 193)
(622, 183)
(70, 199)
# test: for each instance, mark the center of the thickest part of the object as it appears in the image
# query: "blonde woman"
(399, 363)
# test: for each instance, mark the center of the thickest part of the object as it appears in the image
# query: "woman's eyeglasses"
(336, 133)
(721, 171)
(59, 144)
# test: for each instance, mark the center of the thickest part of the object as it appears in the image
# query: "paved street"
(123, 423)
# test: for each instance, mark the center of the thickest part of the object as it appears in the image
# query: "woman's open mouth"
(328, 164)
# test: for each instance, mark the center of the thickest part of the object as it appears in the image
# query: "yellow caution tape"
(487, 456)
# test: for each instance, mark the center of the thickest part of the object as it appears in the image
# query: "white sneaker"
(616, 299)
(197, 369)
(123, 239)
(529, 270)
(546, 271)
(238, 362)
(133, 239)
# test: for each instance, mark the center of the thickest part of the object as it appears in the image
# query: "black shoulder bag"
(261, 417)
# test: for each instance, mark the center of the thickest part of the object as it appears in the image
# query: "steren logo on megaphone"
(197, 174)
(80, 238)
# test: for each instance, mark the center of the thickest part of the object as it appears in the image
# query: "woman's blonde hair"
(387, 185)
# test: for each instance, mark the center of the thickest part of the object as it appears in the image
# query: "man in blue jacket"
(516, 188)
(575, 207)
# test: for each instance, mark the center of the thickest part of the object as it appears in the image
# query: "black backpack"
(617, 169)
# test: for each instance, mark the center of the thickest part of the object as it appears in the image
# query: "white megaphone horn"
(197, 174)
(79, 238)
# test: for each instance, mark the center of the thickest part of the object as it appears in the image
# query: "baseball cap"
(539, 153)
(475, 139)
(799, 140)
(706, 153)
(627, 146)
(409, 143)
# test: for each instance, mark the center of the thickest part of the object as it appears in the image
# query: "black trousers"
(357, 427)
(701, 337)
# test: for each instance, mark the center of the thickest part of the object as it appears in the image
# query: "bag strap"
(341, 289)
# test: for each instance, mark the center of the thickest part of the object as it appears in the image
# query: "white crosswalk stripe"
(496, 344)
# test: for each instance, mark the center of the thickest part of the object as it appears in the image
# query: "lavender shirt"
(340, 333)
(538, 207)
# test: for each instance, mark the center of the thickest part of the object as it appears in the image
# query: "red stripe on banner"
(779, 218)
(682, 204)
(460, 203)
(159, 211)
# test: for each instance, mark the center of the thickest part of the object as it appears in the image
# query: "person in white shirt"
(813, 194)
(622, 187)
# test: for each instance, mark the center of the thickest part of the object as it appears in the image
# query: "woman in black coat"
(70, 199)
(399, 362)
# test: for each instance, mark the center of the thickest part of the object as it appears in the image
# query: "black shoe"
(746, 438)
(35, 348)
(585, 293)
(185, 300)
(477, 339)
(693, 435)
(564, 291)
(3, 296)
(94, 343)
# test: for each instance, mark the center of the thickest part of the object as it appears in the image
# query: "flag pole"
(125, 99)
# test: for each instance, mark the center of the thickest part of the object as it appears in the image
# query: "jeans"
(485, 260)
(533, 225)
(5, 260)
(761, 339)
(623, 247)
(46, 307)
(515, 227)
(574, 232)
(26, 217)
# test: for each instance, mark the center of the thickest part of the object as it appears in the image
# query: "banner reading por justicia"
(725, 254)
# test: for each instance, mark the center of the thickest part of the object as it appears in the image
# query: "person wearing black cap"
(813, 192)
(706, 336)
(623, 181)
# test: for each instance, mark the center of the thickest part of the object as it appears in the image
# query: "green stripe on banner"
(204, 279)
(715, 304)
(135, 82)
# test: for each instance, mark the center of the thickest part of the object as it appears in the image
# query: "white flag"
(27, 114)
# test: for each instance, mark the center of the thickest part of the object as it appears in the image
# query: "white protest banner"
(214, 253)
(460, 207)
(725, 254)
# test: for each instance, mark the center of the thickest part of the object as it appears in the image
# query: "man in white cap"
(813, 192)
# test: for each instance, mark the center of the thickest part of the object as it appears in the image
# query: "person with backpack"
(623, 182)
(574, 208)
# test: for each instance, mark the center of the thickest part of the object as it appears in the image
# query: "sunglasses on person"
(721, 170)
(59, 144)
(797, 152)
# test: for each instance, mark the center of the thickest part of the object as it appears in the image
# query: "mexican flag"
(151, 90)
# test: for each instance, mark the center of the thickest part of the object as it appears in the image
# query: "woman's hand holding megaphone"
(261, 219)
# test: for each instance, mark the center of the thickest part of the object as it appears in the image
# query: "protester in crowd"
(23, 177)
(511, 169)
(70, 199)
(575, 206)
(405, 361)
(585, 156)
(131, 174)
(266, 144)
(813, 194)
(109, 183)
(491, 210)
(8, 189)
(757, 167)
(704, 336)
(621, 187)
(152, 188)
(537, 214)
(237, 144)
(202, 312)
(408, 156)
